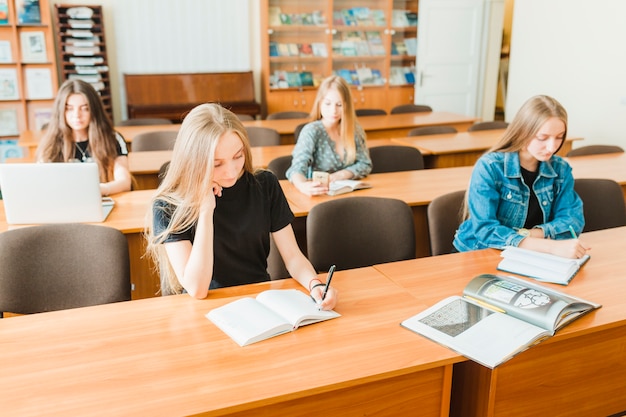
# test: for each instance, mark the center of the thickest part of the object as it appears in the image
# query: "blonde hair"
(527, 122)
(347, 124)
(524, 127)
(57, 143)
(189, 177)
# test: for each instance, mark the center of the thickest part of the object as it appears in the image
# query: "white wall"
(574, 51)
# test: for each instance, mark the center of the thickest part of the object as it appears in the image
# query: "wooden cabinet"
(371, 44)
(28, 73)
(81, 44)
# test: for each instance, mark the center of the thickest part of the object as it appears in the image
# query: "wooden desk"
(580, 371)
(610, 165)
(378, 127)
(460, 149)
(163, 357)
(145, 165)
(128, 216)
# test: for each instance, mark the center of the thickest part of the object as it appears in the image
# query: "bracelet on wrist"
(310, 282)
(317, 285)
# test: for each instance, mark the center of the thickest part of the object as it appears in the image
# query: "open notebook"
(36, 193)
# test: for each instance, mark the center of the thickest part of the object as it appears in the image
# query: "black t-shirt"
(81, 150)
(534, 215)
(244, 216)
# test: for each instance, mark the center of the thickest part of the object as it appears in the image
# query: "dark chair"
(393, 158)
(431, 130)
(444, 217)
(60, 266)
(370, 112)
(145, 122)
(603, 203)
(158, 140)
(410, 108)
(163, 171)
(279, 166)
(354, 232)
(263, 136)
(496, 124)
(595, 150)
(287, 115)
(275, 264)
(244, 117)
(297, 130)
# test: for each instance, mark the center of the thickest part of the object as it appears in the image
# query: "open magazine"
(497, 317)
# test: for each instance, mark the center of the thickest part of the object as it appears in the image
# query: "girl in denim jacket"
(521, 193)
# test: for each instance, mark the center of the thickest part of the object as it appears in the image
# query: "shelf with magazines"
(81, 45)
(28, 74)
(366, 42)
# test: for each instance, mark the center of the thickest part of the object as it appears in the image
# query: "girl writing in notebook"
(334, 142)
(212, 215)
(80, 131)
(521, 193)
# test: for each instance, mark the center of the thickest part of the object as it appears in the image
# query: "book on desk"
(497, 318)
(272, 313)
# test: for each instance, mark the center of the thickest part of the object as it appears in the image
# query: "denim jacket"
(498, 202)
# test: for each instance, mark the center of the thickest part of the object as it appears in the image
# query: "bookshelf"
(370, 43)
(81, 45)
(28, 72)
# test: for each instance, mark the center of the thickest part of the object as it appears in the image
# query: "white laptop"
(35, 193)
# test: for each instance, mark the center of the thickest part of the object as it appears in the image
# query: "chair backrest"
(275, 264)
(297, 130)
(60, 266)
(145, 122)
(393, 158)
(163, 171)
(263, 136)
(603, 203)
(496, 124)
(158, 140)
(287, 115)
(353, 232)
(279, 166)
(595, 150)
(431, 130)
(444, 217)
(244, 117)
(411, 108)
(370, 112)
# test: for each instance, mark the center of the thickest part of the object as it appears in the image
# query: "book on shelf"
(8, 122)
(399, 18)
(362, 16)
(80, 23)
(348, 48)
(293, 49)
(348, 17)
(82, 50)
(319, 49)
(85, 61)
(306, 79)
(281, 79)
(336, 45)
(274, 49)
(375, 42)
(366, 76)
(540, 266)
(28, 12)
(305, 49)
(338, 18)
(33, 45)
(411, 18)
(362, 48)
(273, 14)
(346, 186)
(285, 19)
(6, 55)
(272, 313)
(497, 317)
(83, 41)
(91, 69)
(411, 46)
(283, 49)
(399, 47)
(378, 16)
(38, 83)
(8, 84)
(318, 17)
(79, 33)
(293, 79)
(4, 12)
(396, 76)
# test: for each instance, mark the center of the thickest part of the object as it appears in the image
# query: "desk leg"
(143, 274)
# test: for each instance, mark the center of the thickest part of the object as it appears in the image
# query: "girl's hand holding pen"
(323, 294)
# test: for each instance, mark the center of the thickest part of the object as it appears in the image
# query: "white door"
(449, 55)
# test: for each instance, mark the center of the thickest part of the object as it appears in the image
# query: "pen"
(571, 229)
(330, 277)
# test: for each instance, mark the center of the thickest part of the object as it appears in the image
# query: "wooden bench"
(171, 96)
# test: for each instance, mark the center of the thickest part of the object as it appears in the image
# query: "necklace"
(84, 158)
